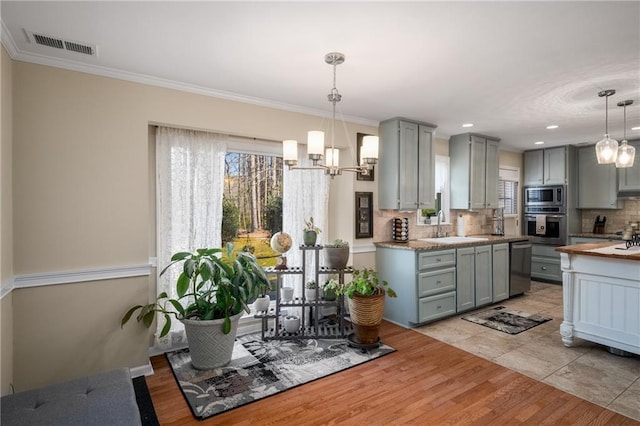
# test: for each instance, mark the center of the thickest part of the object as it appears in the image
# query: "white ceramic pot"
(209, 347)
(261, 304)
(291, 323)
(287, 293)
(310, 294)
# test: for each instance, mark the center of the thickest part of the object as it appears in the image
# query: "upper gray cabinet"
(629, 177)
(406, 167)
(597, 183)
(474, 171)
(545, 166)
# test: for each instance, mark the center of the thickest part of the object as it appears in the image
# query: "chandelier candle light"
(626, 152)
(315, 140)
(607, 148)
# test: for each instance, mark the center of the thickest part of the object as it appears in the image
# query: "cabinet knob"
(438, 282)
(439, 307)
(438, 259)
(544, 268)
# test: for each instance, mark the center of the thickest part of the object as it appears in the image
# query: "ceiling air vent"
(59, 43)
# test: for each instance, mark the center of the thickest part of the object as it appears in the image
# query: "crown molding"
(17, 54)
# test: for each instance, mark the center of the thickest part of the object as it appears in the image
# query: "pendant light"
(626, 152)
(607, 148)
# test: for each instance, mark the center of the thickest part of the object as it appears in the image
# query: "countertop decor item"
(400, 229)
(315, 142)
(212, 291)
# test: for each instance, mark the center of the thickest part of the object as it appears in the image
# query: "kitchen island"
(601, 295)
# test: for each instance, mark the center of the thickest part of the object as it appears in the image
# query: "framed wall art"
(364, 214)
(359, 176)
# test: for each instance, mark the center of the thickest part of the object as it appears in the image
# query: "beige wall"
(6, 221)
(81, 170)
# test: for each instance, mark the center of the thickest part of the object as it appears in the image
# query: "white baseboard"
(142, 370)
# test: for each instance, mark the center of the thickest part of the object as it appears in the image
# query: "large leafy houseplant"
(209, 287)
(365, 282)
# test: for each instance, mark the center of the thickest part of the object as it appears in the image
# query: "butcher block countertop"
(605, 249)
(418, 245)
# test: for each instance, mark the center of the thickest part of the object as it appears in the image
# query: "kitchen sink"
(453, 240)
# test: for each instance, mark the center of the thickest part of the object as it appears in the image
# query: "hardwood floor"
(424, 382)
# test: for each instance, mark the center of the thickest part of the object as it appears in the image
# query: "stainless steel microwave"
(545, 196)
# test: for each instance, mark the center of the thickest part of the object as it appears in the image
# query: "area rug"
(506, 320)
(262, 368)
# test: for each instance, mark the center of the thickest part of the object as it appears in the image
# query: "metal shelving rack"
(315, 328)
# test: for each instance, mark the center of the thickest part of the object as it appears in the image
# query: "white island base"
(601, 298)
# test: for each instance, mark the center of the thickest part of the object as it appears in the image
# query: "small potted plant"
(365, 296)
(310, 232)
(337, 254)
(291, 323)
(263, 301)
(426, 214)
(310, 289)
(329, 290)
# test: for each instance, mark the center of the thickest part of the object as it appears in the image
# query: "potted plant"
(328, 291)
(365, 296)
(426, 215)
(337, 254)
(310, 232)
(263, 301)
(310, 290)
(212, 293)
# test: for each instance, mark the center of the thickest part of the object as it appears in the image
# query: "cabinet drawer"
(434, 307)
(435, 282)
(546, 268)
(436, 259)
(548, 251)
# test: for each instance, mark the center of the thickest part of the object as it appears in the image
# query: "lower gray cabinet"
(500, 263)
(465, 271)
(545, 263)
(424, 281)
(484, 276)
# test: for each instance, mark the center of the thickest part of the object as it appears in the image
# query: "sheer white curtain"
(189, 180)
(305, 194)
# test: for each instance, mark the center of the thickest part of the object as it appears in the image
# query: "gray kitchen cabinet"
(629, 177)
(424, 281)
(545, 263)
(406, 167)
(474, 171)
(484, 276)
(465, 278)
(545, 166)
(597, 183)
(500, 271)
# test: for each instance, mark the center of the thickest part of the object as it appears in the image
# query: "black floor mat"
(145, 404)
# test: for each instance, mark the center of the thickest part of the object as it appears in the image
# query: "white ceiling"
(511, 68)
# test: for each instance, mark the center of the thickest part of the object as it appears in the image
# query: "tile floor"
(586, 370)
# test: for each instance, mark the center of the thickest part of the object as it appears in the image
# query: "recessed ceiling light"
(538, 143)
(552, 126)
(467, 125)
(635, 128)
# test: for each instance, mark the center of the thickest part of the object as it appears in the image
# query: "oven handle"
(555, 216)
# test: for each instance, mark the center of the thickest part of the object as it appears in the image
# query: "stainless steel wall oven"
(545, 219)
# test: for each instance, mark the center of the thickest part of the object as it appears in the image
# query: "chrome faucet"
(440, 219)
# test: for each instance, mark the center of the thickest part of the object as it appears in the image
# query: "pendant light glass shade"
(607, 148)
(626, 155)
(626, 152)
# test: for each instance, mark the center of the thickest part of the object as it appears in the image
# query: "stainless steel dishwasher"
(520, 268)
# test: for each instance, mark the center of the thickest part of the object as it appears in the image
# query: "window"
(508, 184)
(441, 196)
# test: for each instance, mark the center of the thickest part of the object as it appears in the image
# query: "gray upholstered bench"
(101, 399)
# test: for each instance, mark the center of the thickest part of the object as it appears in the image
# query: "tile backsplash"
(616, 219)
(477, 222)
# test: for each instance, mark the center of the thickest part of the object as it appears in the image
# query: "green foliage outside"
(230, 217)
(273, 215)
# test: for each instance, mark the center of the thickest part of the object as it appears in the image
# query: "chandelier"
(626, 152)
(315, 140)
(606, 148)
